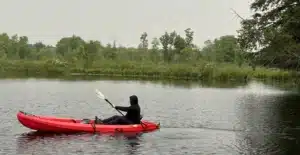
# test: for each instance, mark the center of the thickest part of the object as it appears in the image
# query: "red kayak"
(69, 125)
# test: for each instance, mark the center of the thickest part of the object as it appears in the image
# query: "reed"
(193, 71)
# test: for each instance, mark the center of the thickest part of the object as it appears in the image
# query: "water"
(249, 119)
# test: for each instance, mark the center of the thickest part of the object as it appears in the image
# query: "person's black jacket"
(133, 111)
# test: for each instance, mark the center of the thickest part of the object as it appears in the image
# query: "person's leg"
(113, 121)
(120, 120)
(124, 121)
(110, 119)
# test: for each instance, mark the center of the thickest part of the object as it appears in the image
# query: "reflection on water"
(288, 110)
(164, 82)
(271, 124)
(35, 142)
(243, 119)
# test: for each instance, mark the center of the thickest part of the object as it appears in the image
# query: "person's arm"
(122, 108)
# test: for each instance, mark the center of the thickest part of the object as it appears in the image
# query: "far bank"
(148, 70)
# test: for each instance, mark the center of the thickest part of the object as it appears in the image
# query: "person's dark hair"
(133, 99)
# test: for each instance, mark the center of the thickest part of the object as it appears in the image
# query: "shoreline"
(203, 71)
(284, 85)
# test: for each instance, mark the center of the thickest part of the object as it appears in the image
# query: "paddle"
(101, 96)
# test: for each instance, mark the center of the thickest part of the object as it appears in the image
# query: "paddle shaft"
(114, 107)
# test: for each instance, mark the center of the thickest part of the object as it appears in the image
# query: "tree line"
(170, 47)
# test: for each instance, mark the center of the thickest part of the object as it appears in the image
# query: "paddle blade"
(99, 94)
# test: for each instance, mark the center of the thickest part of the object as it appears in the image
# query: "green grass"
(187, 71)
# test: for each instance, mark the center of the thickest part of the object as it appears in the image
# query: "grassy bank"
(170, 57)
(193, 71)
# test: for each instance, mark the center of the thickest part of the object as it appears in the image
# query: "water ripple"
(248, 120)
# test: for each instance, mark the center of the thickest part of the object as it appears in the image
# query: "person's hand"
(117, 107)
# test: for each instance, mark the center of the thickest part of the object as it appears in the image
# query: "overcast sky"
(120, 20)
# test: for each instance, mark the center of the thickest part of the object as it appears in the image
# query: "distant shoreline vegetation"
(146, 70)
(170, 56)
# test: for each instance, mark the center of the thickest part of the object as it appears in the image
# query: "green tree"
(144, 41)
(223, 49)
(154, 55)
(69, 45)
(164, 40)
(4, 45)
(23, 47)
(189, 36)
(273, 31)
(90, 52)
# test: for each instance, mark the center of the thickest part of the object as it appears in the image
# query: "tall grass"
(193, 71)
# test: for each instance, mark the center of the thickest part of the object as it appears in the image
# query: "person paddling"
(132, 116)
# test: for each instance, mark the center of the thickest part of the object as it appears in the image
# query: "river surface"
(246, 119)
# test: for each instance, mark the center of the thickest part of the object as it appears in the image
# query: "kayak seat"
(85, 121)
